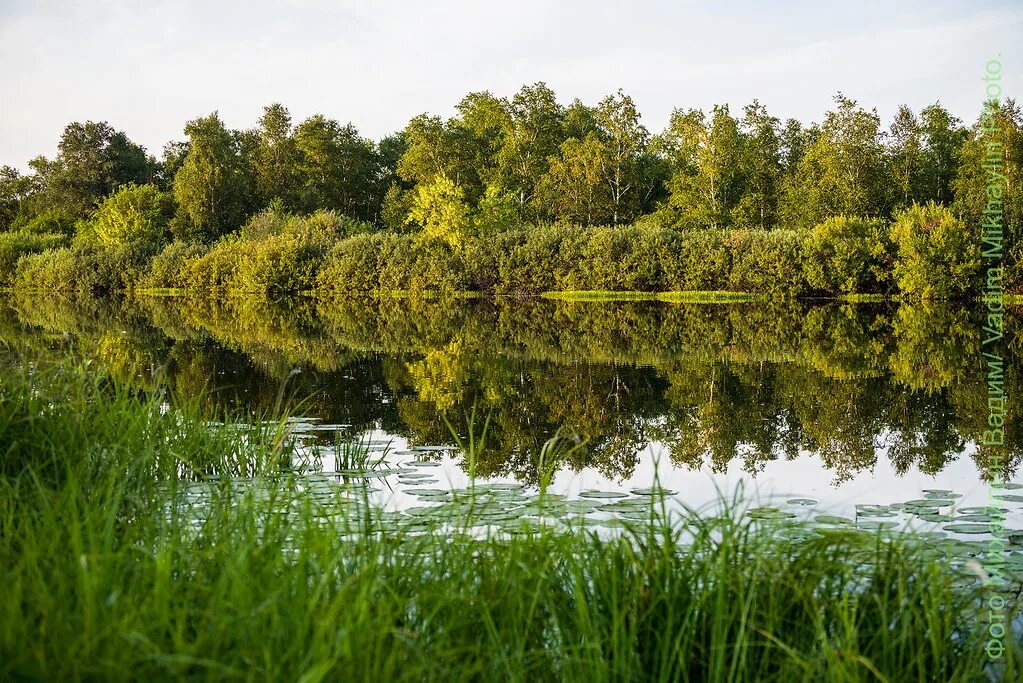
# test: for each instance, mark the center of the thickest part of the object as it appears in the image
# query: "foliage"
(135, 213)
(15, 245)
(845, 255)
(211, 187)
(938, 256)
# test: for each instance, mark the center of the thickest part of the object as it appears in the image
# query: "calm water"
(828, 405)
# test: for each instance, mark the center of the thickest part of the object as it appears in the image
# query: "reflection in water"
(712, 384)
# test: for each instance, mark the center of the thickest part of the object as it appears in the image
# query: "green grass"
(109, 575)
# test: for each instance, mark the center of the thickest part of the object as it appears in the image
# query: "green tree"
(843, 171)
(575, 187)
(943, 139)
(990, 175)
(93, 159)
(705, 158)
(535, 131)
(440, 207)
(210, 187)
(276, 158)
(760, 162)
(906, 156)
(624, 139)
(338, 169)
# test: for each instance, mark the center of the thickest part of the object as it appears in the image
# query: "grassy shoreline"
(116, 570)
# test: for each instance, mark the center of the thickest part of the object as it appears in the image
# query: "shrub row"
(926, 253)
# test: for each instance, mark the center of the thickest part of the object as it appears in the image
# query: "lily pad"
(801, 501)
(591, 493)
(968, 528)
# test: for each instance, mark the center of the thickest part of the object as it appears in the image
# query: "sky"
(148, 67)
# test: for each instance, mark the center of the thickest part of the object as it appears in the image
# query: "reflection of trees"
(747, 382)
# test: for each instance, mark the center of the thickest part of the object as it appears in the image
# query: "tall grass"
(108, 577)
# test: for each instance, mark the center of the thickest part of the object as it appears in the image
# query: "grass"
(115, 568)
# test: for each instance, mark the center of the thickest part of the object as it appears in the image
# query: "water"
(829, 405)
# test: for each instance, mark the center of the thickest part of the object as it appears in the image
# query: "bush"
(845, 254)
(938, 256)
(421, 264)
(168, 268)
(537, 260)
(353, 265)
(618, 259)
(767, 261)
(276, 265)
(697, 260)
(87, 270)
(50, 222)
(135, 213)
(14, 245)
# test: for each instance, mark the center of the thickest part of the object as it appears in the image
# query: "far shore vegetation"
(524, 195)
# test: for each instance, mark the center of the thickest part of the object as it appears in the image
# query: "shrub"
(14, 245)
(617, 259)
(83, 269)
(134, 213)
(537, 260)
(767, 261)
(938, 257)
(353, 265)
(168, 268)
(845, 254)
(276, 265)
(50, 222)
(697, 260)
(421, 264)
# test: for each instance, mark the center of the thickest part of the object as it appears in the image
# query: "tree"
(337, 168)
(843, 171)
(705, 160)
(440, 207)
(14, 188)
(276, 158)
(575, 187)
(132, 215)
(93, 159)
(990, 175)
(760, 163)
(943, 139)
(624, 140)
(906, 156)
(534, 134)
(210, 186)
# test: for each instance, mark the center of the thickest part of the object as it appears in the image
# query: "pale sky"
(148, 67)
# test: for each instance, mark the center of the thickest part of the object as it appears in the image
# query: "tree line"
(512, 163)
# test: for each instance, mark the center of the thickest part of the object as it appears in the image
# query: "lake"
(867, 413)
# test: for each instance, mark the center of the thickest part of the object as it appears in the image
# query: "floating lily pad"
(590, 493)
(831, 519)
(801, 501)
(872, 526)
(1009, 486)
(930, 502)
(653, 492)
(937, 518)
(968, 528)
(1010, 498)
